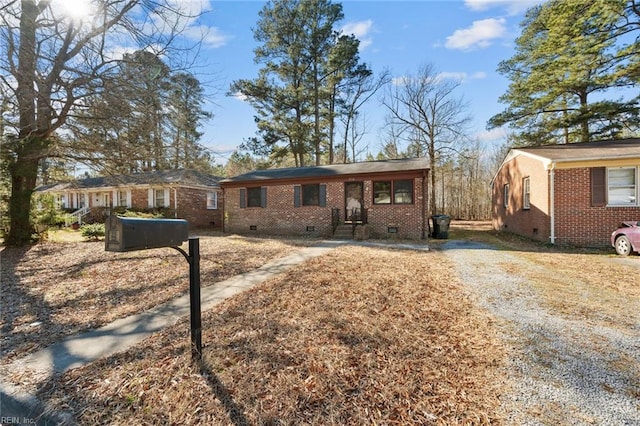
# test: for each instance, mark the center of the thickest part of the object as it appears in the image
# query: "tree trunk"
(23, 169)
(584, 126)
(432, 164)
(24, 172)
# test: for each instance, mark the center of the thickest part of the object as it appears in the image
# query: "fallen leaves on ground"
(358, 336)
(53, 290)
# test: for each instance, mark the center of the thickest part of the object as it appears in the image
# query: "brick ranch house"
(378, 199)
(574, 194)
(184, 194)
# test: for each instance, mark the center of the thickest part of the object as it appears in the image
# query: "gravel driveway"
(561, 371)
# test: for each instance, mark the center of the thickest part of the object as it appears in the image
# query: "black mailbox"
(128, 233)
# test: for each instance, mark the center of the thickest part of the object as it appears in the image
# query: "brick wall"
(140, 198)
(533, 222)
(280, 217)
(577, 222)
(192, 206)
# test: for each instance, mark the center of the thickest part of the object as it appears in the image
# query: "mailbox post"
(131, 234)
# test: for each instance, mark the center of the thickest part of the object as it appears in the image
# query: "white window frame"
(123, 198)
(212, 200)
(166, 199)
(630, 187)
(526, 193)
(159, 198)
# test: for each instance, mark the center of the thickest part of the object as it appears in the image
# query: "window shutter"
(243, 198)
(322, 195)
(129, 198)
(167, 198)
(151, 200)
(296, 196)
(263, 197)
(598, 187)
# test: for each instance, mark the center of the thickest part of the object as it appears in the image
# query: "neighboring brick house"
(185, 194)
(574, 194)
(388, 198)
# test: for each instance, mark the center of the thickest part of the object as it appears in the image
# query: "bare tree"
(354, 96)
(51, 61)
(429, 114)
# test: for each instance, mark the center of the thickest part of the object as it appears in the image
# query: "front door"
(353, 198)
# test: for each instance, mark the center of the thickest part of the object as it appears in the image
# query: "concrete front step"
(343, 232)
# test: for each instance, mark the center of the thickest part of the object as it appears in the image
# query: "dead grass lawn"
(353, 337)
(53, 290)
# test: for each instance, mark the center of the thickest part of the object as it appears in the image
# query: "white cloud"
(512, 7)
(499, 133)
(479, 35)
(210, 36)
(358, 29)
(240, 96)
(461, 77)
(190, 7)
(457, 76)
(361, 30)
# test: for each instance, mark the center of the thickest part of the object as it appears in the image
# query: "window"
(311, 195)
(402, 191)
(381, 192)
(212, 200)
(122, 198)
(253, 197)
(61, 201)
(526, 193)
(622, 186)
(158, 198)
(505, 195)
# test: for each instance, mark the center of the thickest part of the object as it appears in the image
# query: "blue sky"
(461, 39)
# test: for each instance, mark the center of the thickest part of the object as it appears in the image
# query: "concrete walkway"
(19, 408)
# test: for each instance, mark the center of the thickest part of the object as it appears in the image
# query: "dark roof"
(598, 150)
(407, 164)
(185, 177)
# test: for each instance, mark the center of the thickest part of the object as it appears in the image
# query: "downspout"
(175, 202)
(425, 222)
(552, 204)
(224, 207)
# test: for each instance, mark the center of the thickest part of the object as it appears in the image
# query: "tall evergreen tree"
(304, 59)
(146, 119)
(186, 113)
(567, 59)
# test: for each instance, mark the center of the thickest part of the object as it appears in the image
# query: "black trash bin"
(440, 226)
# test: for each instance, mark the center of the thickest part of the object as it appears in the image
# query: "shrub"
(93, 231)
(45, 212)
(148, 214)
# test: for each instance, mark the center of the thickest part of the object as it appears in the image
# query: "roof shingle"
(407, 164)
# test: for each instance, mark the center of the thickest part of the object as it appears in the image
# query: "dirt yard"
(493, 329)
